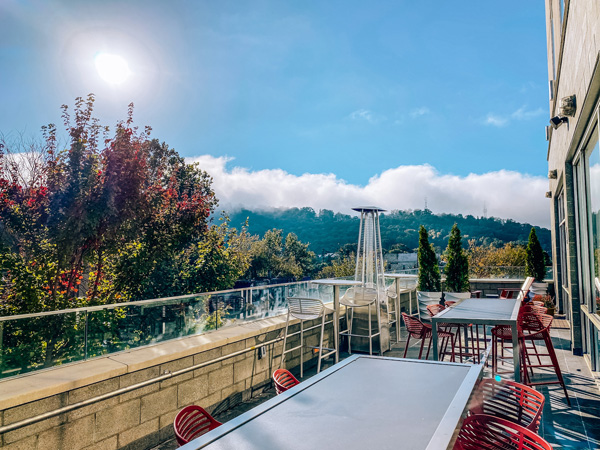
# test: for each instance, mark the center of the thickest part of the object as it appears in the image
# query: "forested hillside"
(327, 231)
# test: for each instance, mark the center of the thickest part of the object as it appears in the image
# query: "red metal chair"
(422, 331)
(509, 400)
(536, 327)
(481, 431)
(192, 422)
(284, 380)
(435, 309)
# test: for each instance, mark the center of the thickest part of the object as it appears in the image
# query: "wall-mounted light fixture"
(552, 174)
(568, 106)
(549, 194)
(557, 121)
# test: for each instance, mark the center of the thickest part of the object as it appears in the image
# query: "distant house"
(400, 261)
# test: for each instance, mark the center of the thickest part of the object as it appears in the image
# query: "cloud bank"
(505, 194)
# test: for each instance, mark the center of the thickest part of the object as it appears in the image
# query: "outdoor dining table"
(364, 402)
(336, 307)
(482, 311)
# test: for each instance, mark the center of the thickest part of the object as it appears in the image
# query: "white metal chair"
(303, 308)
(360, 297)
(393, 316)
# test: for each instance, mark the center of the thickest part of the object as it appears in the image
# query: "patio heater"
(369, 255)
(369, 271)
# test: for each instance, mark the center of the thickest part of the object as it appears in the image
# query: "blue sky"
(328, 98)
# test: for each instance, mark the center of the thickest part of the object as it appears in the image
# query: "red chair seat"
(192, 422)
(481, 431)
(509, 400)
(284, 380)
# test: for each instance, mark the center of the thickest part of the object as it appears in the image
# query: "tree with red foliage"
(107, 219)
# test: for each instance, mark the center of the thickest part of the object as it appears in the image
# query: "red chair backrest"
(434, 309)
(509, 400)
(533, 322)
(284, 380)
(414, 326)
(191, 422)
(508, 293)
(536, 309)
(481, 431)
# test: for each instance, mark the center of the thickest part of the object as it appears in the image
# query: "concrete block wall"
(142, 418)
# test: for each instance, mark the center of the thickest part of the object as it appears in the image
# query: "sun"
(112, 68)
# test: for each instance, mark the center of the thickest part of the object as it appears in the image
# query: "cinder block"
(219, 379)
(176, 380)
(32, 409)
(138, 376)
(157, 403)
(243, 370)
(106, 444)
(34, 429)
(139, 432)
(23, 444)
(176, 365)
(191, 391)
(167, 419)
(91, 409)
(74, 435)
(93, 390)
(234, 389)
(115, 420)
(136, 393)
(207, 356)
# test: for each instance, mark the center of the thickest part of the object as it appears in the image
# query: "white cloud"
(520, 114)
(366, 115)
(496, 121)
(423, 110)
(523, 114)
(506, 194)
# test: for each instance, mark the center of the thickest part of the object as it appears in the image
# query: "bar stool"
(361, 297)
(536, 327)
(303, 309)
(393, 316)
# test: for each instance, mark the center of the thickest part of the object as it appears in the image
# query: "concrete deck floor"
(565, 427)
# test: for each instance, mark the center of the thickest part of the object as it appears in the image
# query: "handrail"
(90, 401)
(144, 302)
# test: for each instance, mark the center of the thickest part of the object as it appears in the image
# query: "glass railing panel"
(136, 325)
(33, 343)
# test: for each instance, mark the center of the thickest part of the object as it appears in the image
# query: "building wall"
(573, 68)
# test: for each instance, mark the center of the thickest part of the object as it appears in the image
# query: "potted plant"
(457, 268)
(549, 304)
(430, 281)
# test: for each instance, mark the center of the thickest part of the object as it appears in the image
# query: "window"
(562, 253)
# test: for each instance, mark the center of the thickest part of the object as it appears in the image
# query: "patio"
(569, 427)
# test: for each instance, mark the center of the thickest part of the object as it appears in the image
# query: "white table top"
(399, 275)
(362, 403)
(336, 282)
(489, 311)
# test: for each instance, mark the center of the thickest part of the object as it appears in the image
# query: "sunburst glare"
(112, 68)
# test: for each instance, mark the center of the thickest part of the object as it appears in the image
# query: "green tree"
(457, 266)
(534, 266)
(106, 219)
(429, 271)
(343, 265)
(273, 257)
